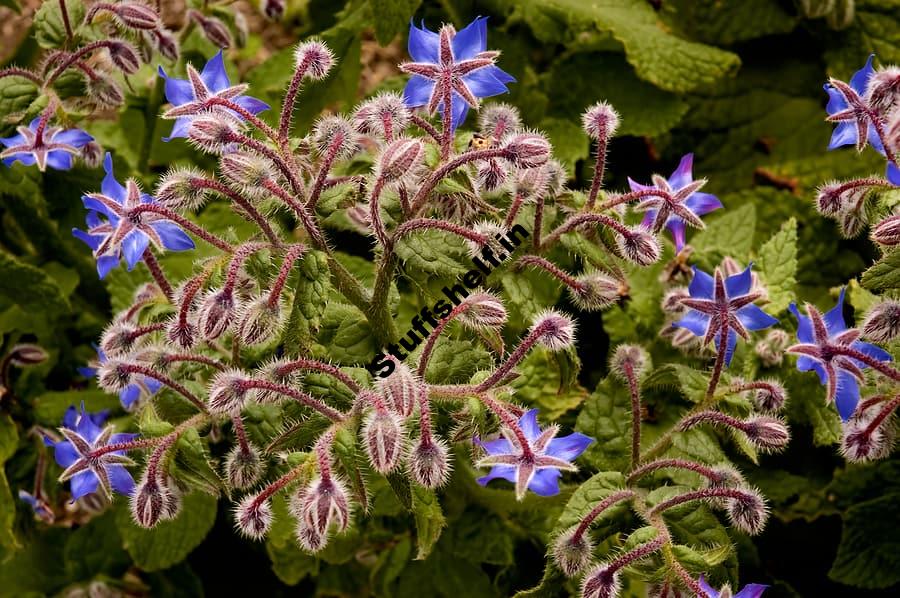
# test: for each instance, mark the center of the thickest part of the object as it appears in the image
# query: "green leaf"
(94, 549)
(777, 265)
(429, 520)
(9, 440)
(347, 334)
(869, 553)
(455, 361)
(606, 417)
(725, 22)
(17, 93)
(50, 30)
(435, 252)
(727, 234)
(50, 407)
(192, 464)
(310, 294)
(30, 287)
(548, 380)
(588, 494)
(689, 381)
(390, 17)
(884, 275)
(170, 541)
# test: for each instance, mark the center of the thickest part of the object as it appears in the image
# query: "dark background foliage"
(737, 82)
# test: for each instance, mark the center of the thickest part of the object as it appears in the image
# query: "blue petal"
(65, 454)
(702, 203)
(120, 480)
(844, 133)
(739, 284)
(545, 482)
(87, 372)
(694, 321)
(70, 417)
(569, 447)
(834, 317)
(59, 160)
(423, 43)
(701, 286)
(83, 484)
(93, 241)
(471, 40)
(529, 425)
(129, 395)
(752, 590)
(120, 438)
(17, 139)
(105, 263)
(152, 385)
(459, 110)
(710, 591)
(874, 139)
(807, 364)
(804, 325)
(96, 205)
(893, 173)
(172, 236)
(251, 105)
(674, 225)
(847, 394)
(499, 472)
(214, 75)
(500, 446)
(483, 84)
(73, 137)
(178, 91)
(110, 186)
(635, 186)
(860, 79)
(729, 346)
(133, 246)
(754, 318)
(683, 174)
(836, 101)
(180, 128)
(87, 427)
(417, 91)
(872, 351)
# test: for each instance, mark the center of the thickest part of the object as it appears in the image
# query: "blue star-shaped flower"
(124, 232)
(854, 126)
(819, 336)
(87, 468)
(681, 203)
(717, 303)
(192, 93)
(452, 62)
(52, 146)
(751, 590)
(142, 387)
(536, 466)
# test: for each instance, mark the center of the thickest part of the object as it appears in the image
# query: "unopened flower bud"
(853, 221)
(319, 507)
(273, 9)
(92, 154)
(499, 119)
(749, 512)
(124, 56)
(386, 115)
(26, 354)
(638, 245)
(382, 435)
(213, 29)
(228, 392)
(148, 502)
(314, 58)
(556, 331)
(882, 323)
(165, 43)
(243, 466)
(217, 313)
(403, 389)
(253, 517)
(104, 92)
(135, 15)
(335, 133)
(118, 339)
(600, 583)
(530, 184)
(671, 301)
(274, 371)
(527, 150)
(600, 121)
(887, 232)
(596, 291)
(830, 198)
(771, 348)
(112, 376)
(177, 190)
(628, 361)
(429, 462)
(572, 553)
(259, 320)
(492, 232)
(484, 311)
(883, 89)
(766, 432)
(249, 171)
(213, 132)
(401, 159)
(771, 396)
(491, 174)
(181, 334)
(556, 177)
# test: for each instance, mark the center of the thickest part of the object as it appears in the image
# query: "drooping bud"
(148, 502)
(499, 119)
(165, 43)
(527, 150)
(382, 434)
(555, 330)
(484, 311)
(769, 396)
(228, 392)
(600, 121)
(639, 245)
(403, 389)
(112, 377)
(767, 433)
(491, 174)
(249, 171)
(92, 154)
(217, 312)
(213, 29)
(401, 159)
(314, 58)
(335, 133)
(830, 198)
(883, 89)
(600, 583)
(671, 301)
(491, 231)
(748, 513)
(117, 339)
(135, 15)
(882, 323)
(259, 321)
(181, 334)
(530, 183)
(26, 354)
(243, 466)
(853, 220)
(771, 348)
(178, 191)
(213, 132)
(124, 56)
(572, 553)
(273, 9)
(628, 358)
(104, 92)
(319, 507)
(385, 115)
(887, 232)
(274, 371)
(253, 517)
(429, 462)
(597, 290)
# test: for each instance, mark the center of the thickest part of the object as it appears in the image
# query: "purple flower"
(536, 466)
(81, 455)
(819, 338)
(141, 388)
(44, 146)
(193, 92)
(854, 126)
(454, 64)
(752, 590)
(718, 304)
(125, 232)
(680, 202)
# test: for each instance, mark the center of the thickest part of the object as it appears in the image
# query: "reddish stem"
(609, 501)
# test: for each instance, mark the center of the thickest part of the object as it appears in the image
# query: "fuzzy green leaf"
(777, 265)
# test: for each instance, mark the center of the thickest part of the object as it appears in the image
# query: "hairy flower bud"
(600, 582)
(274, 371)
(830, 198)
(92, 154)
(213, 132)
(112, 377)
(748, 513)
(243, 466)
(165, 43)
(314, 58)
(386, 115)
(177, 190)
(335, 133)
(483, 311)
(403, 389)
(26, 354)
(135, 15)
(572, 553)
(600, 121)
(887, 232)
(429, 462)
(882, 323)
(671, 301)
(627, 358)
(253, 517)
(492, 174)
(228, 392)
(527, 150)
(766, 432)
(249, 171)
(104, 92)
(771, 348)
(382, 434)
(148, 501)
(596, 290)
(496, 120)
(181, 334)
(638, 245)
(217, 312)
(273, 9)
(213, 29)
(118, 339)
(124, 56)
(320, 506)
(556, 331)
(771, 396)
(401, 159)
(259, 321)
(492, 232)
(883, 89)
